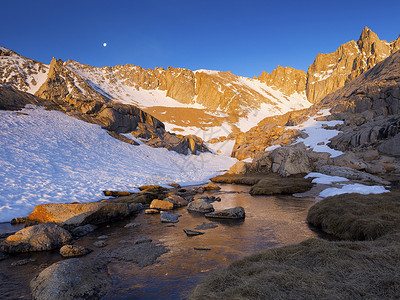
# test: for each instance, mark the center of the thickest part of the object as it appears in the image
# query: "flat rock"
(79, 213)
(151, 211)
(36, 238)
(192, 232)
(72, 279)
(230, 213)
(23, 262)
(351, 174)
(167, 217)
(205, 226)
(74, 251)
(201, 206)
(116, 193)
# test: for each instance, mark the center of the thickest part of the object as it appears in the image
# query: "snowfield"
(48, 156)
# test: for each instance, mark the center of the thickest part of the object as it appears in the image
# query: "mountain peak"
(367, 34)
(6, 52)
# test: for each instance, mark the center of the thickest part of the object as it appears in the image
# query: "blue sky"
(244, 37)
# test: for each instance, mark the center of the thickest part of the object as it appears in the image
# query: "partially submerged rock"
(176, 200)
(83, 230)
(72, 279)
(201, 206)
(272, 185)
(230, 213)
(167, 217)
(74, 251)
(36, 238)
(212, 186)
(192, 232)
(151, 211)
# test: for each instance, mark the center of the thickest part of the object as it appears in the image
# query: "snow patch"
(353, 188)
(48, 156)
(325, 179)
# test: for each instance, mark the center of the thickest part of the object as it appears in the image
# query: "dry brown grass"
(313, 269)
(357, 217)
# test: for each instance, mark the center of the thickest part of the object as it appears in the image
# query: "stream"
(271, 221)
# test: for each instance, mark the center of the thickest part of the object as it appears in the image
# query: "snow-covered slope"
(47, 156)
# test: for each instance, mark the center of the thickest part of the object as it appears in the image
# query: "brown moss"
(357, 217)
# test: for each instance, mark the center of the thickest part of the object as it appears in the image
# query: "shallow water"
(271, 221)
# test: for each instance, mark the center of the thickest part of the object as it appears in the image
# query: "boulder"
(175, 185)
(135, 207)
(212, 186)
(167, 217)
(241, 167)
(230, 213)
(79, 213)
(201, 206)
(72, 279)
(161, 205)
(288, 161)
(36, 238)
(370, 155)
(391, 146)
(74, 251)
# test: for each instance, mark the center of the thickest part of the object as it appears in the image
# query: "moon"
(104, 44)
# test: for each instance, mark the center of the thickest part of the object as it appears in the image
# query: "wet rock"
(102, 237)
(23, 262)
(83, 230)
(143, 240)
(72, 279)
(79, 213)
(211, 186)
(202, 248)
(100, 244)
(201, 206)
(175, 185)
(74, 251)
(36, 238)
(132, 225)
(167, 217)
(192, 232)
(199, 190)
(205, 226)
(161, 205)
(230, 213)
(151, 211)
(177, 201)
(116, 193)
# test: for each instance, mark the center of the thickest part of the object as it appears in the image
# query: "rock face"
(79, 213)
(230, 213)
(287, 79)
(72, 279)
(36, 238)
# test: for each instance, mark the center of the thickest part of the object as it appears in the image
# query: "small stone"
(321, 143)
(100, 244)
(175, 185)
(23, 262)
(83, 230)
(102, 237)
(170, 225)
(202, 248)
(212, 186)
(142, 241)
(151, 211)
(192, 232)
(132, 225)
(167, 217)
(74, 251)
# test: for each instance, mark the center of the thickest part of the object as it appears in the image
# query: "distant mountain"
(332, 71)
